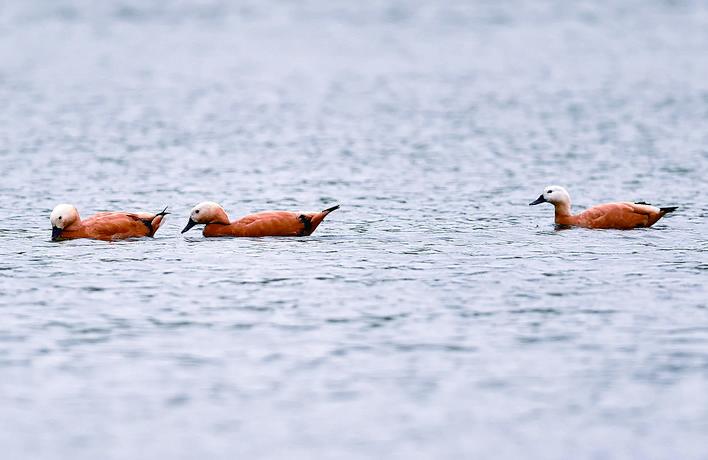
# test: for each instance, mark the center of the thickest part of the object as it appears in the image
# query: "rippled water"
(435, 315)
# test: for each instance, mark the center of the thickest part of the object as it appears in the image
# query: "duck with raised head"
(621, 215)
(267, 223)
(106, 226)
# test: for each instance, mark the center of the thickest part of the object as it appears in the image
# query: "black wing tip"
(163, 212)
(333, 208)
(306, 225)
(664, 210)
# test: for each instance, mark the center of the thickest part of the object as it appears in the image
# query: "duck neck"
(220, 217)
(75, 224)
(563, 214)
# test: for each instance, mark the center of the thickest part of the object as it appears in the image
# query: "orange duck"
(107, 226)
(620, 216)
(267, 223)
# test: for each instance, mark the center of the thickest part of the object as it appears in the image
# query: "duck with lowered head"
(107, 226)
(266, 223)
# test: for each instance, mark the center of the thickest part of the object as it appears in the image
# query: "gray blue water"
(435, 315)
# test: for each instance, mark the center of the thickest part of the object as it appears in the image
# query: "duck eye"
(59, 217)
(550, 191)
(196, 212)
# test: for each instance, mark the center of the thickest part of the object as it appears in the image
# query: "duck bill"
(539, 200)
(56, 233)
(189, 225)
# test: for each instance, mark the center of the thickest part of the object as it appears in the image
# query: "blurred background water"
(435, 315)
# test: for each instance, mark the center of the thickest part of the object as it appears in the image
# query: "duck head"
(554, 194)
(206, 212)
(62, 216)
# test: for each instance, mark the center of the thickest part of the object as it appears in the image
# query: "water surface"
(435, 315)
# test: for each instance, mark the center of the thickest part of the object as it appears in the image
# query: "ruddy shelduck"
(107, 226)
(267, 223)
(620, 216)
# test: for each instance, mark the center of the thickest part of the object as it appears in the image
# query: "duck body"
(267, 223)
(260, 224)
(619, 216)
(106, 226)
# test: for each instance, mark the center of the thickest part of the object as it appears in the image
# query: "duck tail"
(314, 219)
(668, 209)
(328, 210)
(157, 221)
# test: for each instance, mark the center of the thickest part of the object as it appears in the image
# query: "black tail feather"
(163, 212)
(664, 210)
(333, 208)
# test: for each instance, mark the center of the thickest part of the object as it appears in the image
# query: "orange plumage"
(267, 223)
(620, 216)
(107, 226)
